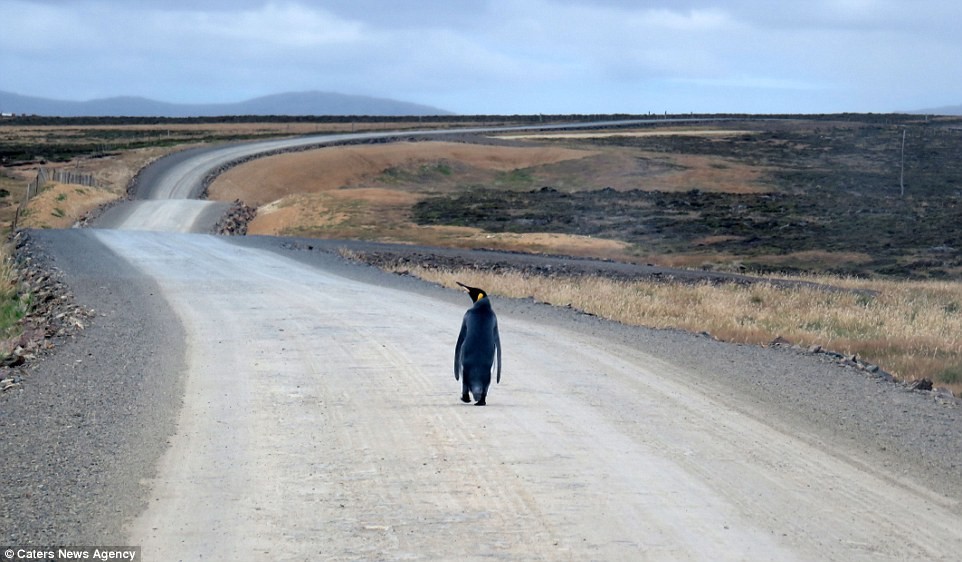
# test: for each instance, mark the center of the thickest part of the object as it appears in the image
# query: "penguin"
(478, 351)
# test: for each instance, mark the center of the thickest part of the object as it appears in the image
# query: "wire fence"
(45, 175)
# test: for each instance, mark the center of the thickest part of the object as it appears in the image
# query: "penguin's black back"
(480, 338)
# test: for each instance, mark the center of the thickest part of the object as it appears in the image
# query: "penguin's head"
(476, 294)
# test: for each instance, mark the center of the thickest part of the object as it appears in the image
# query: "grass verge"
(13, 305)
(909, 328)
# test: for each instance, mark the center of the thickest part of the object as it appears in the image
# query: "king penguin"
(478, 352)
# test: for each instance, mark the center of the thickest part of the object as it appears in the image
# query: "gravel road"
(91, 418)
(252, 398)
(320, 419)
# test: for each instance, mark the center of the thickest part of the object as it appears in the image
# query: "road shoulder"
(92, 417)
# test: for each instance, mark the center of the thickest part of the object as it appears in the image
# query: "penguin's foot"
(465, 398)
(480, 403)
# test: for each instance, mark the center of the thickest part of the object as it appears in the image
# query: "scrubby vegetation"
(13, 304)
(910, 328)
(832, 201)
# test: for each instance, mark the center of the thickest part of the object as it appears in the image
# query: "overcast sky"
(497, 56)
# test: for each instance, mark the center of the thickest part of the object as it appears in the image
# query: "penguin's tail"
(478, 391)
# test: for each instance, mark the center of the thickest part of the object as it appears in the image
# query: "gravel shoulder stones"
(234, 222)
(91, 415)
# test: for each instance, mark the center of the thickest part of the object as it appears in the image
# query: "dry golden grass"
(719, 261)
(367, 192)
(114, 172)
(381, 214)
(266, 180)
(910, 329)
(339, 192)
(359, 213)
(711, 173)
(59, 205)
(621, 169)
(660, 132)
(13, 305)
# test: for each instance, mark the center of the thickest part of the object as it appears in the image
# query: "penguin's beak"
(476, 294)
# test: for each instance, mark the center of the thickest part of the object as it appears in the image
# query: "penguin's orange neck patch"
(480, 296)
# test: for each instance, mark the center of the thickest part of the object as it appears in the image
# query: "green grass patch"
(13, 305)
(951, 375)
(441, 168)
(426, 172)
(520, 177)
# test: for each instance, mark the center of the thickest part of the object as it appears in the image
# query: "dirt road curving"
(321, 419)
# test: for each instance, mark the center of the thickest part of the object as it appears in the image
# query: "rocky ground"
(235, 220)
(52, 317)
(98, 382)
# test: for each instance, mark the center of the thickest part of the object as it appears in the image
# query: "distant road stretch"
(180, 176)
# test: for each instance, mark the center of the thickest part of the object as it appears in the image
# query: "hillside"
(945, 110)
(292, 103)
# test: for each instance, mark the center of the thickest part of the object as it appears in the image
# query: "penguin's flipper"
(497, 350)
(457, 350)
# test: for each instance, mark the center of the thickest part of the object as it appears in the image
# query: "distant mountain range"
(293, 103)
(947, 110)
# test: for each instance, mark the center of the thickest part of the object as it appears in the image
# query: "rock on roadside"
(235, 220)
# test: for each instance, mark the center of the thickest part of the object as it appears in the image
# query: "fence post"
(33, 187)
(43, 176)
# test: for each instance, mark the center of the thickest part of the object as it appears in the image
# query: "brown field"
(367, 191)
(647, 170)
(811, 259)
(268, 179)
(667, 131)
(415, 168)
(718, 174)
(59, 205)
